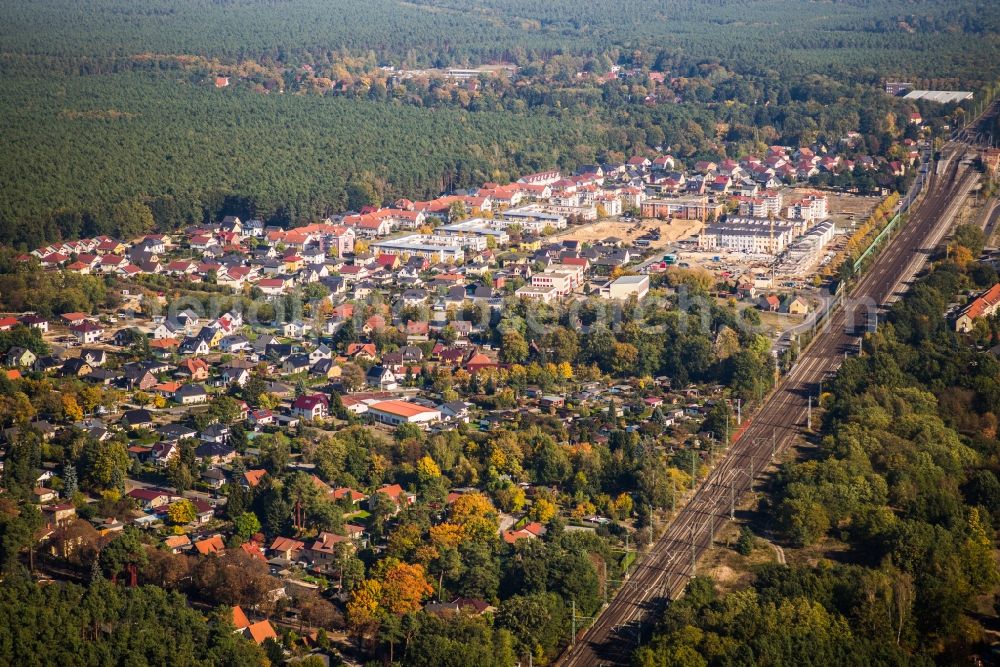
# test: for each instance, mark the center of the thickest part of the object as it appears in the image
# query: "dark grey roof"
(190, 390)
(176, 431)
(215, 430)
(133, 417)
(213, 449)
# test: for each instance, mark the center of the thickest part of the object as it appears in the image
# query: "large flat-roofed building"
(754, 239)
(626, 286)
(940, 96)
(395, 413)
(545, 294)
(811, 207)
(806, 252)
(687, 208)
(532, 218)
(541, 178)
(553, 283)
(581, 212)
(431, 247)
(761, 205)
(474, 227)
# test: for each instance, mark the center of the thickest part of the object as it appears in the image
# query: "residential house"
(252, 478)
(194, 345)
(396, 493)
(797, 306)
(532, 531)
(260, 417)
(985, 305)
(214, 478)
(296, 363)
(234, 343)
(193, 369)
(190, 394)
(286, 548)
(150, 499)
(312, 406)
(76, 368)
(215, 453)
(36, 322)
(348, 494)
(134, 419)
(770, 303)
(455, 411)
(382, 378)
(87, 332)
(94, 357)
(210, 545)
(175, 544)
(323, 551)
(19, 356)
(217, 432)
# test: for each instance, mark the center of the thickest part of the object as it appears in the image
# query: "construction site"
(789, 244)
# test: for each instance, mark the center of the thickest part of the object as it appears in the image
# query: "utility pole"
(739, 411)
(711, 532)
(774, 439)
(605, 579)
(809, 414)
(650, 524)
(693, 557)
(673, 494)
(693, 470)
(572, 639)
(732, 501)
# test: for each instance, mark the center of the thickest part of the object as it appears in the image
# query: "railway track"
(670, 563)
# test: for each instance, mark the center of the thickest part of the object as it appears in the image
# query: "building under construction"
(752, 236)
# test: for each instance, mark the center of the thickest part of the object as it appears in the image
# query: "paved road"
(992, 218)
(664, 572)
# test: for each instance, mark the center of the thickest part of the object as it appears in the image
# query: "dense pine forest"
(787, 35)
(78, 142)
(109, 106)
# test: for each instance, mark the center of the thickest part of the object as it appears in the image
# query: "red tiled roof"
(240, 619)
(253, 477)
(210, 545)
(286, 544)
(988, 300)
(261, 631)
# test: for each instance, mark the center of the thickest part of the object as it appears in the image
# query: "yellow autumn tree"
(71, 408)
(543, 510)
(446, 535)
(476, 514)
(427, 469)
(622, 506)
(181, 512)
(364, 609)
(961, 255)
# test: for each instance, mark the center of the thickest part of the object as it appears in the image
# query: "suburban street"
(666, 569)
